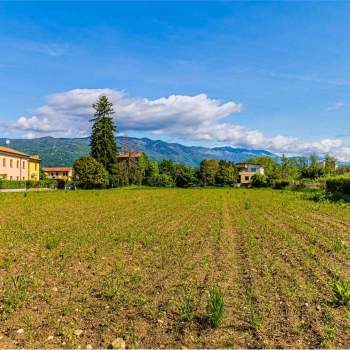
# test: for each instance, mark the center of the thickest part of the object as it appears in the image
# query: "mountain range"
(64, 151)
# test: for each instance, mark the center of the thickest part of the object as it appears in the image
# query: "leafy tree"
(119, 175)
(152, 169)
(185, 176)
(329, 164)
(103, 144)
(208, 171)
(130, 171)
(89, 173)
(167, 166)
(227, 174)
(313, 170)
(161, 180)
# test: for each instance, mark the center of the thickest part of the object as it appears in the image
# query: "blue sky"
(274, 75)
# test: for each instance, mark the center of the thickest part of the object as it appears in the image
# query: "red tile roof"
(12, 151)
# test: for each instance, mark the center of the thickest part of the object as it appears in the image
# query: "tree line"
(103, 169)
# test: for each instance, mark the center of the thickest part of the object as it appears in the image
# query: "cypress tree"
(103, 144)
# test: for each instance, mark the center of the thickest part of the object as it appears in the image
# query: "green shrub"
(338, 185)
(259, 180)
(280, 184)
(89, 173)
(215, 307)
(187, 308)
(341, 290)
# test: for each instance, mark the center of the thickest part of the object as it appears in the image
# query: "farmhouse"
(15, 165)
(62, 173)
(246, 171)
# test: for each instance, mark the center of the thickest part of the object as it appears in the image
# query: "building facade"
(34, 168)
(59, 173)
(246, 171)
(18, 166)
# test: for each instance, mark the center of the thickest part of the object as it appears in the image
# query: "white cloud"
(195, 118)
(335, 106)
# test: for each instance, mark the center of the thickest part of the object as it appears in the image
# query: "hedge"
(12, 184)
(339, 184)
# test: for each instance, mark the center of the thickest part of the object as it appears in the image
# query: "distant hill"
(64, 151)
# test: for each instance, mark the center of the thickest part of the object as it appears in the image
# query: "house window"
(23, 178)
(253, 170)
(4, 162)
(17, 178)
(36, 166)
(11, 163)
(24, 165)
(10, 177)
(247, 178)
(17, 164)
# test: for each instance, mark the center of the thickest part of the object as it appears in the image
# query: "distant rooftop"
(129, 154)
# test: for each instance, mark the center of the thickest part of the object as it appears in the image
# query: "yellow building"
(63, 173)
(34, 168)
(15, 165)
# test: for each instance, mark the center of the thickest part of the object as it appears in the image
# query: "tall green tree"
(103, 144)
(167, 166)
(185, 176)
(227, 174)
(208, 171)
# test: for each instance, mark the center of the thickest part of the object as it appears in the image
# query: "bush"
(280, 184)
(338, 185)
(259, 180)
(89, 173)
(161, 180)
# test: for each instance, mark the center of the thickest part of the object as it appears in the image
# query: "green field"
(139, 263)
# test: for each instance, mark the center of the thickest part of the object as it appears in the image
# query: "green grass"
(215, 307)
(140, 264)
